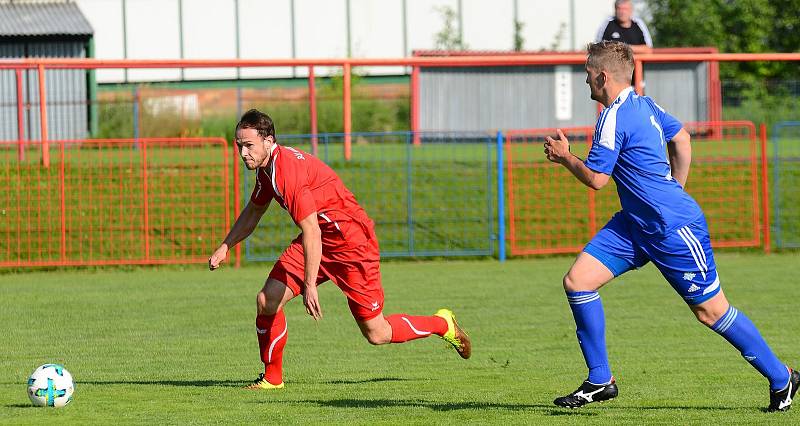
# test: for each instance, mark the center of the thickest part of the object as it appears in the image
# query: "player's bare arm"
(680, 156)
(557, 151)
(243, 227)
(312, 253)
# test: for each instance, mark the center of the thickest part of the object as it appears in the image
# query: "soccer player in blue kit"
(659, 222)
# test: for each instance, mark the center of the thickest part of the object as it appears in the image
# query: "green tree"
(740, 26)
(519, 40)
(449, 37)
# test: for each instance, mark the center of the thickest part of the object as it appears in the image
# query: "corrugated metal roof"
(40, 19)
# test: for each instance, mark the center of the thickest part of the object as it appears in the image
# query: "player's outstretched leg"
(455, 335)
(399, 328)
(740, 332)
(272, 333)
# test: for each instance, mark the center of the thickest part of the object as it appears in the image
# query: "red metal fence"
(551, 212)
(347, 65)
(115, 201)
(142, 201)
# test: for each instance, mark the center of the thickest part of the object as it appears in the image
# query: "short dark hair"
(255, 119)
(614, 57)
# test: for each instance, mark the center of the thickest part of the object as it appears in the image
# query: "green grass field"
(174, 345)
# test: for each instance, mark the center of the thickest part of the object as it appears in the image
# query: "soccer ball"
(50, 385)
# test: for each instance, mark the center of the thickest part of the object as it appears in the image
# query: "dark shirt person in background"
(624, 27)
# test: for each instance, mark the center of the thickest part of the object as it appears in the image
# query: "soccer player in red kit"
(337, 242)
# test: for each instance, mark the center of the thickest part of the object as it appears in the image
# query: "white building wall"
(487, 26)
(265, 31)
(319, 30)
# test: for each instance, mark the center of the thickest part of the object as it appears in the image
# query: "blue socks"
(737, 329)
(587, 309)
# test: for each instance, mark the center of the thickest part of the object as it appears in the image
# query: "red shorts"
(350, 258)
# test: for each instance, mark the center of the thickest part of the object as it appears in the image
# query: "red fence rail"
(551, 212)
(115, 201)
(654, 56)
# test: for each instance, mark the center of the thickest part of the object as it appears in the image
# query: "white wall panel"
(424, 21)
(209, 33)
(377, 32)
(153, 35)
(320, 31)
(105, 16)
(486, 29)
(265, 32)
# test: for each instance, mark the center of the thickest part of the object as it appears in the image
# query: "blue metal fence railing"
(434, 198)
(786, 184)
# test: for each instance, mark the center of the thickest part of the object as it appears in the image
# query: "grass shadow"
(683, 407)
(372, 380)
(227, 383)
(20, 406)
(432, 405)
(190, 383)
(547, 409)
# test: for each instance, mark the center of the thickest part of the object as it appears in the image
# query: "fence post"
(136, 116)
(63, 206)
(501, 199)
(776, 182)
(43, 117)
(415, 103)
(591, 192)
(409, 198)
(637, 77)
(312, 109)
(754, 174)
(145, 208)
(226, 170)
(20, 116)
(346, 111)
(765, 189)
(238, 249)
(238, 98)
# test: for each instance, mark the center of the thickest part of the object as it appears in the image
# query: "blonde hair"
(613, 57)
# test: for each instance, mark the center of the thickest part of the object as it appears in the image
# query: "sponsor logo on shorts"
(688, 276)
(375, 306)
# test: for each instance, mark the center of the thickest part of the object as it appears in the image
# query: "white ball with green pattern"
(50, 385)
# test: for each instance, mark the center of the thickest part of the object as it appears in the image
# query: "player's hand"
(557, 150)
(218, 257)
(311, 301)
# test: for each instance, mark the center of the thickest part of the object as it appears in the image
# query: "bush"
(368, 115)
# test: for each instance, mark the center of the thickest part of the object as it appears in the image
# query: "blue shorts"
(683, 256)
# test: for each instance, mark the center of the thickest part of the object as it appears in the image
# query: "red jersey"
(302, 184)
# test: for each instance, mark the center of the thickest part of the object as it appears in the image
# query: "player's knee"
(569, 282)
(375, 337)
(707, 317)
(380, 335)
(710, 311)
(265, 305)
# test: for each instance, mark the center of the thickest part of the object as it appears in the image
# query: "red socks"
(272, 335)
(407, 327)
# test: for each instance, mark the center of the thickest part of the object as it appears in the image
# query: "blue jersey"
(628, 145)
